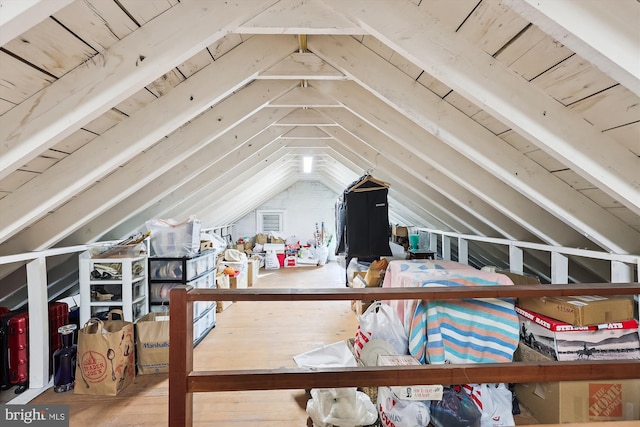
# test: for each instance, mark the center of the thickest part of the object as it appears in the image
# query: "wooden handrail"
(184, 381)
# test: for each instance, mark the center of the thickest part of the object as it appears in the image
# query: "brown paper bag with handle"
(152, 343)
(106, 356)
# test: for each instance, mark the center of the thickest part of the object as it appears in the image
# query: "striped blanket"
(398, 267)
(460, 331)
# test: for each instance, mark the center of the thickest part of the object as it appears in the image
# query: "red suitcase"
(14, 339)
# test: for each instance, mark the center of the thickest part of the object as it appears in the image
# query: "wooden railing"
(184, 381)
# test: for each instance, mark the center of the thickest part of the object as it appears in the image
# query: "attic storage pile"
(494, 330)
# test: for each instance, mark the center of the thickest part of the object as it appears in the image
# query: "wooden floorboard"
(247, 335)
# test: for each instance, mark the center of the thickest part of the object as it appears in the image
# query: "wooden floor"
(247, 335)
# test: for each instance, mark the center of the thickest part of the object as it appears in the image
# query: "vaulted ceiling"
(517, 118)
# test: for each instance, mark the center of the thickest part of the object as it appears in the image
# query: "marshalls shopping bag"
(106, 356)
(152, 343)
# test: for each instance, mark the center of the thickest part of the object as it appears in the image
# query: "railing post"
(559, 268)
(446, 248)
(463, 251)
(621, 272)
(38, 323)
(180, 358)
(433, 242)
(516, 259)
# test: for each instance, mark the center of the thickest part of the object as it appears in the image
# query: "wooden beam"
(17, 17)
(421, 293)
(418, 36)
(479, 373)
(447, 166)
(178, 183)
(603, 35)
(302, 66)
(120, 143)
(299, 17)
(162, 167)
(109, 78)
(475, 142)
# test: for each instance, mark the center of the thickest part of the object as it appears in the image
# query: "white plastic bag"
(401, 413)
(271, 261)
(343, 407)
(379, 321)
(495, 403)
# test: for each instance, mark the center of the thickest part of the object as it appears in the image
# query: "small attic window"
(270, 220)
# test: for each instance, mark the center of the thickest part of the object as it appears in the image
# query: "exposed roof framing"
(516, 119)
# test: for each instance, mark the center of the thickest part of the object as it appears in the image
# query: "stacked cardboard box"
(577, 401)
(579, 328)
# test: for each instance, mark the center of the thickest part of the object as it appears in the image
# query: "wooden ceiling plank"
(302, 66)
(402, 168)
(18, 81)
(491, 25)
(18, 17)
(142, 130)
(615, 107)
(304, 97)
(155, 172)
(406, 97)
(490, 122)
(305, 117)
(399, 152)
(605, 36)
(100, 24)
(299, 17)
(74, 141)
(168, 189)
(51, 47)
(88, 91)
(532, 53)
(165, 83)
(573, 80)
(495, 88)
(628, 136)
(210, 190)
(305, 132)
(451, 13)
(145, 11)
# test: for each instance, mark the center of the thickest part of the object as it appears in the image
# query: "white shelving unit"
(126, 288)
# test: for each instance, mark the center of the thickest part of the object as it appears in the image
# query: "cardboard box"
(520, 279)
(608, 341)
(400, 231)
(253, 267)
(222, 282)
(582, 310)
(359, 306)
(577, 401)
(412, 392)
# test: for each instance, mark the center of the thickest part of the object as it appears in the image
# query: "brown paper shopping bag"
(152, 343)
(106, 356)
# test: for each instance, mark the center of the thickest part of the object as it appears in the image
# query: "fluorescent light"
(306, 164)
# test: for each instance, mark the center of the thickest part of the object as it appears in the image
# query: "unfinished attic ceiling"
(517, 119)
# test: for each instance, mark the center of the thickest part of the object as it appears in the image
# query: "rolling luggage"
(14, 344)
